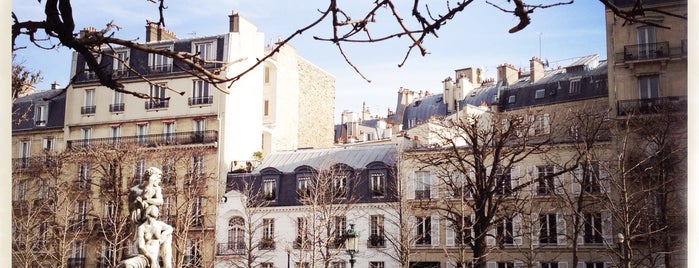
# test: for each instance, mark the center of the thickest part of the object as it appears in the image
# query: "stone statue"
(145, 194)
(153, 237)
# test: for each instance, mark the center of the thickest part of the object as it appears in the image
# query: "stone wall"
(316, 106)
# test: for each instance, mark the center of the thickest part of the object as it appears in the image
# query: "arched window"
(236, 235)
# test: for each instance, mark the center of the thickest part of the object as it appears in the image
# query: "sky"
(477, 37)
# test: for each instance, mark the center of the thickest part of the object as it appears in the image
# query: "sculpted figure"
(145, 194)
(154, 239)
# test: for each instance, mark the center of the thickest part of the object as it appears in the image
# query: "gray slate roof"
(23, 110)
(353, 156)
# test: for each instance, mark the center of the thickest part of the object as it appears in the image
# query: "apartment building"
(302, 202)
(191, 130)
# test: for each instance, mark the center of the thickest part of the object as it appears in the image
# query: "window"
(20, 191)
(545, 180)
(302, 265)
(115, 134)
(574, 87)
(422, 183)
(157, 92)
(24, 149)
(303, 187)
(377, 264)
(593, 228)
(87, 135)
(83, 175)
(301, 233)
(646, 42)
(169, 131)
(139, 171)
(142, 133)
(109, 210)
(266, 265)
(41, 116)
(458, 185)
(165, 211)
(48, 144)
(266, 108)
(108, 254)
(541, 124)
(199, 130)
(512, 99)
(549, 265)
(193, 253)
(267, 241)
(649, 86)
(121, 60)
(197, 166)
(200, 93)
(270, 188)
(339, 186)
(547, 233)
(42, 233)
(44, 189)
(459, 231)
(338, 264)
(78, 248)
(594, 265)
(376, 231)
(117, 102)
(80, 211)
(506, 265)
(339, 227)
(88, 102)
(236, 235)
(540, 94)
(159, 63)
(504, 181)
(205, 50)
(591, 178)
(378, 184)
(424, 231)
(504, 231)
(267, 75)
(197, 213)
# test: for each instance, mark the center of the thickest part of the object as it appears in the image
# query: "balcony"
(422, 194)
(90, 75)
(88, 109)
(76, 262)
(201, 100)
(159, 69)
(652, 106)
(266, 244)
(643, 52)
(152, 140)
(23, 163)
(160, 104)
(120, 73)
(376, 241)
(227, 249)
(116, 107)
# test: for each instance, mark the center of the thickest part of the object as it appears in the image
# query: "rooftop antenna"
(194, 34)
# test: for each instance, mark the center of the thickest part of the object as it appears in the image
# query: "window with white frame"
(169, 131)
(121, 60)
(159, 63)
(193, 253)
(422, 185)
(42, 114)
(20, 191)
(376, 231)
(199, 129)
(165, 211)
(574, 87)
(139, 171)
(540, 94)
(591, 178)
(541, 124)
(197, 212)
(267, 241)
(459, 231)
(549, 265)
(504, 232)
(338, 264)
(80, 211)
(649, 86)
(303, 185)
(339, 227)
(117, 102)
(24, 149)
(266, 265)
(512, 99)
(593, 228)
(44, 189)
(115, 134)
(545, 181)
(424, 230)
(302, 233)
(646, 42)
(236, 234)
(109, 210)
(302, 265)
(270, 188)
(83, 174)
(377, 264)
(458, 185)
(48, 144)
(42, 235)
(503, 182)
(547, 230)
(197, 166)
(88, 102)
(339, 186)
(108, 254)
(157, 92)
(378, 184)
(86, 135)
(78, 249)
(205, 50)
(200, 93)
(142, 133)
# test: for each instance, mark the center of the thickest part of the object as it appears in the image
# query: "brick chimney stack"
(536, 69)
(507, 73)
(155, 32)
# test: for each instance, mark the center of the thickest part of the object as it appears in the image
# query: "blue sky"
(477, 37)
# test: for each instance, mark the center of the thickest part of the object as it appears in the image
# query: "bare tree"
(477, 159)
(23, 79)
(424, 21)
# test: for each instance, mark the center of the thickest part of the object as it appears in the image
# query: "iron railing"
(653, 105)
(201, 100)
(88, 109)
(23, 163)
(232, 248)
(152, 140)
(647, 51)
(157, 104)
(116, 107)
(163, 68)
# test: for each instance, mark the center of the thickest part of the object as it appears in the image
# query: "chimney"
(473, 75)
(155, 32)
(234, 22)
(55, 85)
(507, 73)
(536, 69)
(86, 30)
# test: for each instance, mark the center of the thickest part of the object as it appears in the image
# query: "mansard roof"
(24, 110)
(356, 157)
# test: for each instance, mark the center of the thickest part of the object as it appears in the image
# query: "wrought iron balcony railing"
(24, 163)
(201, 100)
(88, 109)
(648, 51)
(163, 68)
(152, 140)
(116, 107)
(232, 248)
(157, 104)
(651, 106)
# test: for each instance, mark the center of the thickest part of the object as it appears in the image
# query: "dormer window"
(159, 63)
(540, 94)
(206, 50)
(574, 87)
(41, 116)
(512, 99)
(121, 60)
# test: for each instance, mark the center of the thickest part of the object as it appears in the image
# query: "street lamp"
(622, 249)
(288, 255)
(351, 243)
